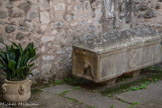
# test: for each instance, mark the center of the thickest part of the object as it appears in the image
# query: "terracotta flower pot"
(17, 91)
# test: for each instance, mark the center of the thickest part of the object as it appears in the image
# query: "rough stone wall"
(149, 13)
(125, 14)
(53, 24)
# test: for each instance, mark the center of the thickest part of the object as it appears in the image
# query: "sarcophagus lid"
(116, 40)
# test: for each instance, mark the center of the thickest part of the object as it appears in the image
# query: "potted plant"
(16, 63)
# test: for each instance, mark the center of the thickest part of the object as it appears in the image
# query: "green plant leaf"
(29, 46)
(33, 58)
(12, 65)
(3, 66)
(16, 62)
(25, 58)
(32, 52)
(20, 48)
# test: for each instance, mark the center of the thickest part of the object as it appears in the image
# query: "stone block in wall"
(60, 7)
(46, 39)
(57, 25)
(17, 14)
(25, 26)
(158, 6)
(9, 5)
(9, 29)
(3, 14)
(25, 6)
(19, 36)
(48, 57)
(14, 0)
(32, 15)
(137, 1)
(109, 8)
(142, 7)
(150, 14)
(44, 17)
(44, 5)
(46, 69)
(78, 8)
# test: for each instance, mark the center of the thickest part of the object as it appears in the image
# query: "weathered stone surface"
(43, 48)
(60, 6)
(23, 29)
(25, 26)
(160, 0)
(13, 0)
(46, 68)
(9, 5)
(57, 25)
(2, 23)
(44, 17)
(46, 39)
(159, 65)
(19, 36)
(125, 10)
(97, 43)
(142, 7)
(3, 14)
(78, 8)
(23, 23)
(35, 72)
(48, 57)
(69, 17)
(46, 99)
(158, 6)
(58, 89)
(9, 29)
(91, 28)
(150, 14)
(95, 99)
(44, 5)
(17, 14)
(110, 8)
(33, 15)
(25, 6)
(137, 1)
(141, 16)
(148, 98)
(87, 51)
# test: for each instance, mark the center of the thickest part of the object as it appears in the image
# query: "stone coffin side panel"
(129, 60)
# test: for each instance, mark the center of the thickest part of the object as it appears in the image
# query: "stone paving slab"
(148, 98)
(48, 98)
(58, 88)
(51, 100)
(95, 99)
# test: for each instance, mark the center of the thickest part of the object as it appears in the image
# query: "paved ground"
(148, 98)
(67, 96)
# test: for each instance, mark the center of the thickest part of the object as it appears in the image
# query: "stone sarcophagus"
(104, 57)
